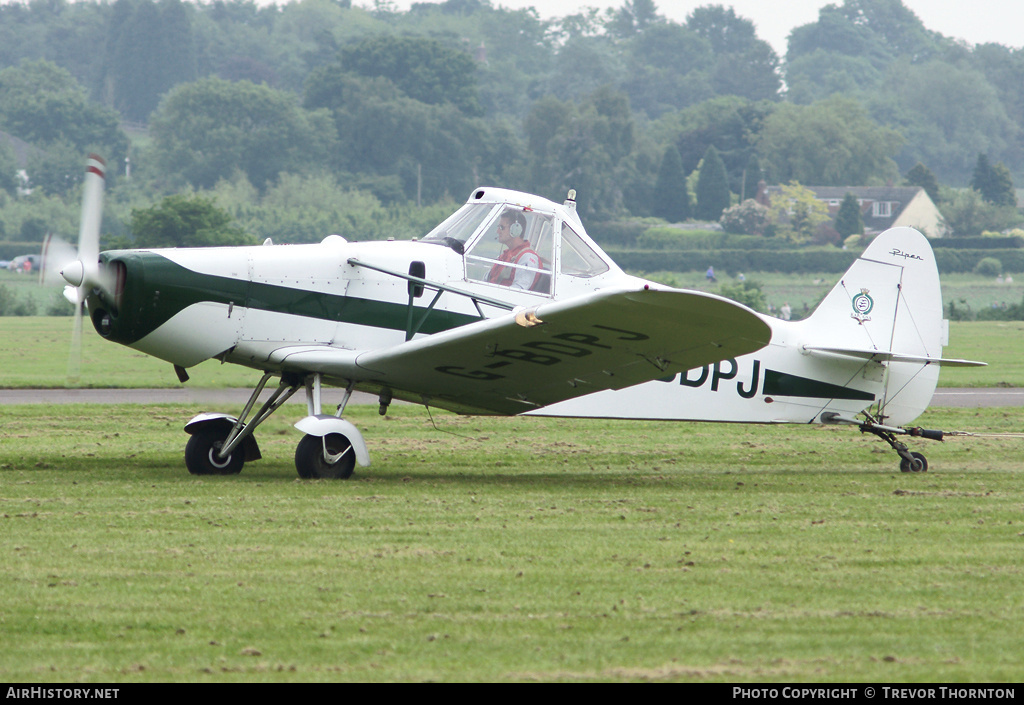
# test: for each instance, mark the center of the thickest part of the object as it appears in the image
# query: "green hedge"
(793, 261)
(985, 242)
(609, 234)
(951, 261)
(732, 258)
(653, 234)
(661, 238)
(824, 260)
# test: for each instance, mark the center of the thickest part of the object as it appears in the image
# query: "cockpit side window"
(516, 250)
(578, 259)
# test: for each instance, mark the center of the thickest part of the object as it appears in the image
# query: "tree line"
(389, 117)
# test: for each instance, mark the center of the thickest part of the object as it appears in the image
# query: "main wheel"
(919, 464)
(339, 463)
(201, 455)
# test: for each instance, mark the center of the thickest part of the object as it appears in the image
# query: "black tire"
(310, 462)
(201, 455)
(920, 464)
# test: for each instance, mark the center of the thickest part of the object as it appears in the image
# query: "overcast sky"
(974, 21)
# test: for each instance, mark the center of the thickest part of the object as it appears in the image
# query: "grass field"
(34, 354)
(511, 549)
(521, 549)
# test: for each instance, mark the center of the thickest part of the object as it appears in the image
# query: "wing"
(559, 350)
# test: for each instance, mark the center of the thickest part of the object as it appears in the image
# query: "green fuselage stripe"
(780, 384)
(156, 289)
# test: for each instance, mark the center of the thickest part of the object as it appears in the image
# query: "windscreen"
(461, 224)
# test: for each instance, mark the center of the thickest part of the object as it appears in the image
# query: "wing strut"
(420, 282)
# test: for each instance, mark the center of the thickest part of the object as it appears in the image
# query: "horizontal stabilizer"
(888, 356)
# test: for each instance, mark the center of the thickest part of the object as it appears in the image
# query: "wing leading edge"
(559, 350)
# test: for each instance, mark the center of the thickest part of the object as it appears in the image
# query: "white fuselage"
(246, 305)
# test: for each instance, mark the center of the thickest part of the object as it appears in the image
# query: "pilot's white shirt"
(525, 277)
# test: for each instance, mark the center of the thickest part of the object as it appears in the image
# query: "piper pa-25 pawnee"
(508, 307)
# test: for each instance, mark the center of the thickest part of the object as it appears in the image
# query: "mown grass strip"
(534, 549)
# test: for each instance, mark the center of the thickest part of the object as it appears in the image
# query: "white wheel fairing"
(323, 424)
(222, 424)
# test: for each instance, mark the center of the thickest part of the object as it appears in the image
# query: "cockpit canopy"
(507, 243)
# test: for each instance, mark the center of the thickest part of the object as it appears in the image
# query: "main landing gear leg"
(221, 444)
(909, 461)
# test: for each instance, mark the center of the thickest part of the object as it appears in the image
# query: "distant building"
(884, 207)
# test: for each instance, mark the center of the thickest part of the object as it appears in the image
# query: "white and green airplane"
(508, 307)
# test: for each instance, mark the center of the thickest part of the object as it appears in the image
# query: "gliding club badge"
(862, 305)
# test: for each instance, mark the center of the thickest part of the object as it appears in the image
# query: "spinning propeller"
(81, 269)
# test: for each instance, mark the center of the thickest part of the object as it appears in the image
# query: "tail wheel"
(201, 455)
(918, 464)
(330, 457)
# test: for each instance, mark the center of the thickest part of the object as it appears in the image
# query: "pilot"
(518, 254)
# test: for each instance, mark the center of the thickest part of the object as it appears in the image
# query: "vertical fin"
(889, 300)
